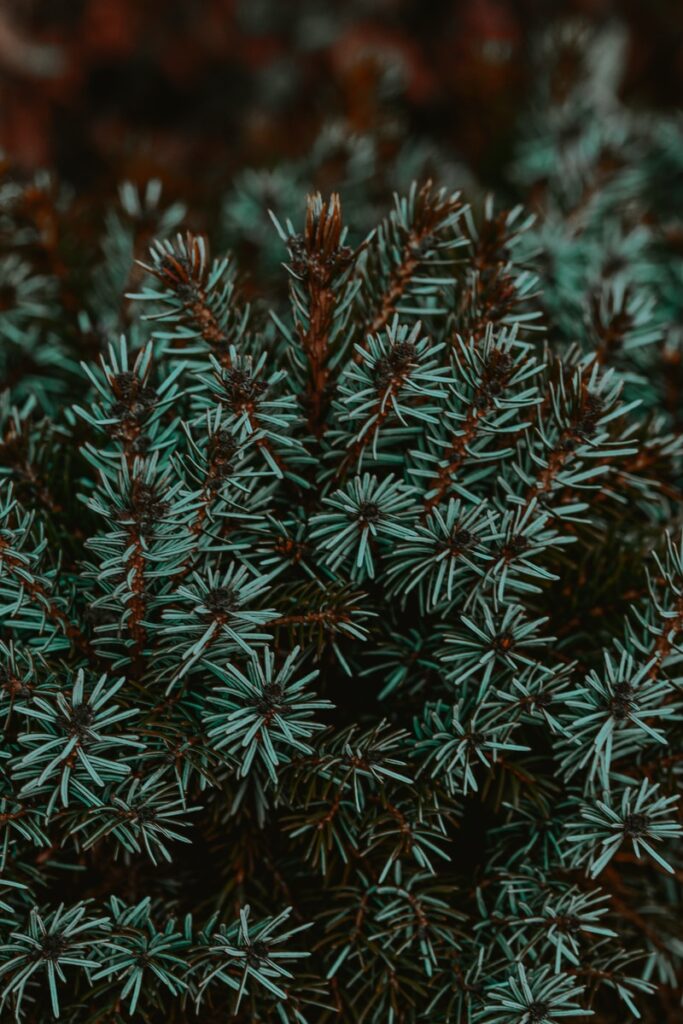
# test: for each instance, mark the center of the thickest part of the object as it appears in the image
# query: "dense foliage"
(341, 631)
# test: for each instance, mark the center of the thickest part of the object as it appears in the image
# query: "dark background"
(193, 90)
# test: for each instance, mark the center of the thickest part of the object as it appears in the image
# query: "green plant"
(336, 682)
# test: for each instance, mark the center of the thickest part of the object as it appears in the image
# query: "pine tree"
(340, 631)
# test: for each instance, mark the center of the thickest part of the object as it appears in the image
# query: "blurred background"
(193, 91)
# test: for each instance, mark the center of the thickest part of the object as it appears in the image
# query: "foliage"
(342, 628)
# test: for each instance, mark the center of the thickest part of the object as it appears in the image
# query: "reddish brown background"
(193, 89)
